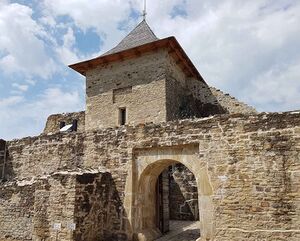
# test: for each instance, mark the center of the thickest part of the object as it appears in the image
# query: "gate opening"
(176, 202)
(170, 208)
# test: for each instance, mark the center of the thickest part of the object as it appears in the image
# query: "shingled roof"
(139, 41)
(142, 34)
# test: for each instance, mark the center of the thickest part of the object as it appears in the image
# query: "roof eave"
(174, 49)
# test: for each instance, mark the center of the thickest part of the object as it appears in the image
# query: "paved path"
(182, 231)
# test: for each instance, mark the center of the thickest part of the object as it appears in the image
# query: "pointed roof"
(140, 35)
(139, 41)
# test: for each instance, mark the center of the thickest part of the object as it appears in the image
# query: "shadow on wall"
(6, 167)
(191, 107)
(193, 99)
(9, 173)
(99, 211)
(183, 194)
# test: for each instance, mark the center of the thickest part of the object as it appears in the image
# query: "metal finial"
(145, 10)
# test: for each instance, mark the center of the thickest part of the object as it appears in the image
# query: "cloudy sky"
(250, 49)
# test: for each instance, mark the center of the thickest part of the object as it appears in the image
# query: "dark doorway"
(176, 197)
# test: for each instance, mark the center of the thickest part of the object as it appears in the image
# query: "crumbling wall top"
(53, 123)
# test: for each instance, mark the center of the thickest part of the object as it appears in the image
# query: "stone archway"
(147, 164)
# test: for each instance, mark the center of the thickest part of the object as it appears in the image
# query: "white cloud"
(48, 21)
(21, 43)
(30, 81)
(10, 101)
(66, 52)
(276, 87)
(20, 87)
(103, 16)
(96, 14)
(234, 43)
(21, 117)
(55, 100)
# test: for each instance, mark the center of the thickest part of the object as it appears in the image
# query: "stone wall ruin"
(251, 163)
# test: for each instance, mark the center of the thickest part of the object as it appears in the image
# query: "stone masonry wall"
(164, 208)
(89, 202)
(53, 121)
(183, 196)
(182, 104)
(252, 162)
(99, 214)
(16, 212)
(29, 209)
(136, 84)
(188, 97)
(54, 204)
(45, 155)
(231, 104)
(152, 88)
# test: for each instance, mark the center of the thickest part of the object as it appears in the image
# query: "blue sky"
(249, 49)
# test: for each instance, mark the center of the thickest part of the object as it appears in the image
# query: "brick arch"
(147, 165)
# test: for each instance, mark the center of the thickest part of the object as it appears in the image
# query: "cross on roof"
(145, 10)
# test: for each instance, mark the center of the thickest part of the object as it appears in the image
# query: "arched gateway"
(140, 199)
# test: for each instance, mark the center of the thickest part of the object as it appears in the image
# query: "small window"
(62, 124)
(122, 116)
(66, 128)
(74, 125)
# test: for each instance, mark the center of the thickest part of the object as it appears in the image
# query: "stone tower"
(144, 79)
